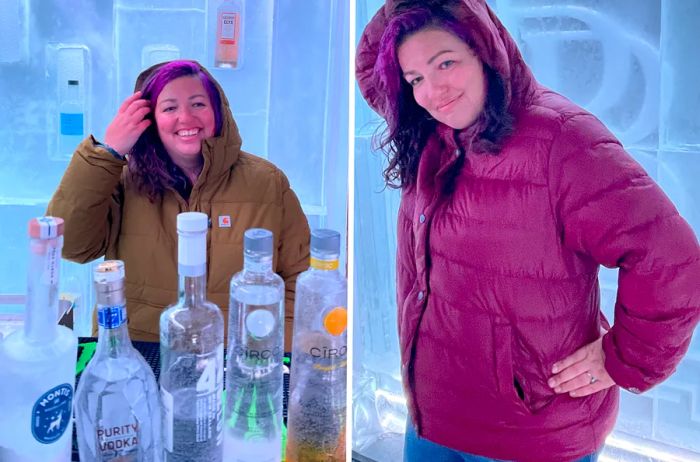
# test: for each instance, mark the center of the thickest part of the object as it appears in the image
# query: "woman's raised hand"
(129, 123)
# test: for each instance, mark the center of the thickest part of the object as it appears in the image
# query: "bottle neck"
(73, 92)
(113, 337)
(41, 315)
(255, 262)
(113, 341)
(321, 261)
(193, 289)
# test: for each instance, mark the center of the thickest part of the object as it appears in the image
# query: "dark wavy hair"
(150, 165)
(408, 126)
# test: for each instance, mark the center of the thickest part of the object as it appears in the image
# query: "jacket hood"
(220, 152)
(491, 41)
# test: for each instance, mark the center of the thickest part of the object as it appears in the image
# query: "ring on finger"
(593, 378)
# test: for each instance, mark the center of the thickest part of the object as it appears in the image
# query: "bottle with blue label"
(37, 363)
(192, 355)
(117, 406)
(254, 374)
(71, 118)
(317, 391)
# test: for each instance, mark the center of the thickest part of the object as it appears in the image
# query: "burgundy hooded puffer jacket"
(499, 280)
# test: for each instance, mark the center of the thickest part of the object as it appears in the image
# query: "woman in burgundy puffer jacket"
(512, 196)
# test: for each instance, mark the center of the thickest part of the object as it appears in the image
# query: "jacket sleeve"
(89, 201)
(612, 211)
(293, 251)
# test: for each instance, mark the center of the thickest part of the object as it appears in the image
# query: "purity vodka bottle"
(256, 346)
(117, 405)
(317, 393)
(37, 363)
(192, 355)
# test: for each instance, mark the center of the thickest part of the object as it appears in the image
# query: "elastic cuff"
(624, 375)
(109, 149)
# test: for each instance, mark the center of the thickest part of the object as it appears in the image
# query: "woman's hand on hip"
(582, 373)
(129, 123)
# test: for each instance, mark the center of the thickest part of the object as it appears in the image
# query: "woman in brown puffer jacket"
(120, 198)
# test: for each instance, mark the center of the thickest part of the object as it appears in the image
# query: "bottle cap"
(109, 271)
(192, 222)
(325, 241)
(258, 240)
(192, 230)
(45, 227)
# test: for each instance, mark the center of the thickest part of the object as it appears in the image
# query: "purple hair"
(150, 164)
(408, 126)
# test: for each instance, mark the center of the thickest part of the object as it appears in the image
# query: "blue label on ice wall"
(51, 414)
(71, 124)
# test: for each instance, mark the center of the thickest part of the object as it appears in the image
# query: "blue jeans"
(418, 449)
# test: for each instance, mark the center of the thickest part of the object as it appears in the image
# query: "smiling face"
(184, 118)
(446, 76)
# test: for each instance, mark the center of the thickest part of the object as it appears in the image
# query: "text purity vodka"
(116, 405)
(256, 342)
(316, 413)
(192, 355)
(37, 363)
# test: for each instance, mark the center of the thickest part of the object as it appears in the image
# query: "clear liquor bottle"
(192, 355)
(254, 375)
(318, 385)
(37, 372)
(117, 404)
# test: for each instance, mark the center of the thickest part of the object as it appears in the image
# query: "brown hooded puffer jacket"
(105, 215)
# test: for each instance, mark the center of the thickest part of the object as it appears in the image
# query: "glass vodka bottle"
(254, 377)
(317, 393)
(192, 355)
(37, 363)
(117, 404)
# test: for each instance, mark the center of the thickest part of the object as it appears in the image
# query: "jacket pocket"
(531, 373)
(510, 386)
